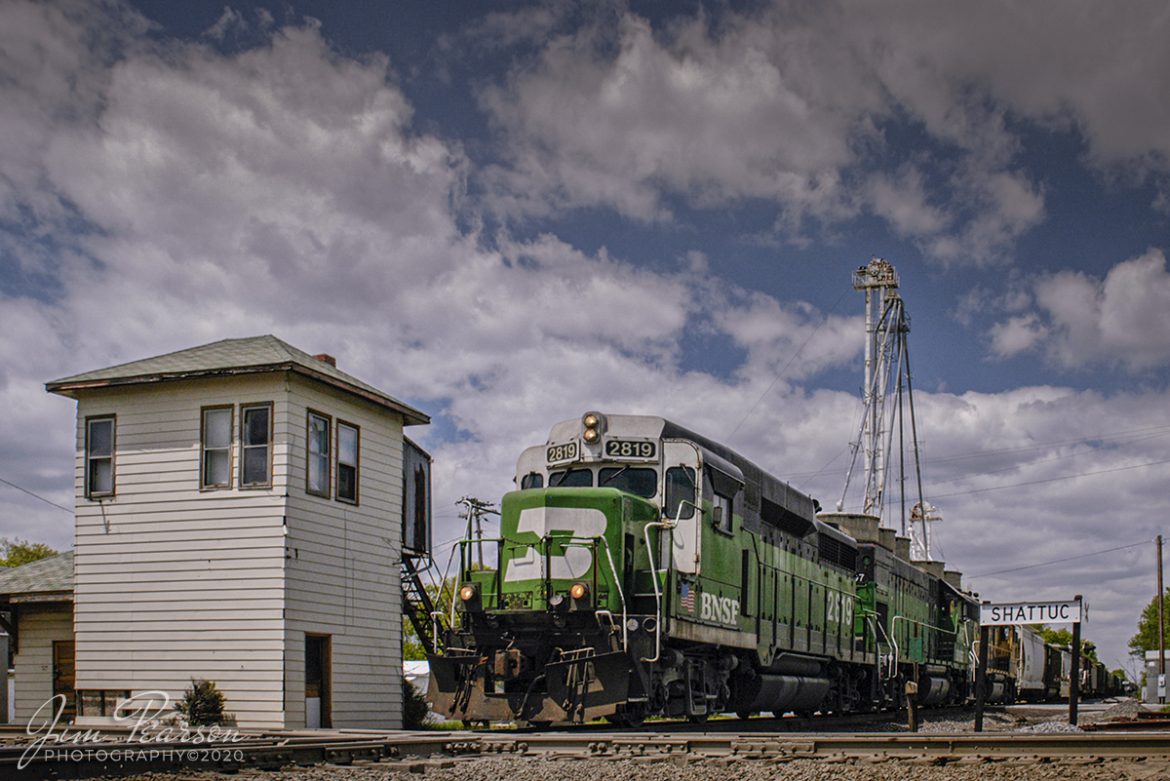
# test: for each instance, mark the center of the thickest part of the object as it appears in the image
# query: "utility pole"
(1161, 630)
(476, 509)
(1074, 683)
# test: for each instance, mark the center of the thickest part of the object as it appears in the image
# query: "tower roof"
(250, 355)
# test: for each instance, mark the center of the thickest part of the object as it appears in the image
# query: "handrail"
(435, 616)
(907, 619)
(891, 641)
(668, 524)
(542, 545)
(617, 582)
(657, 591)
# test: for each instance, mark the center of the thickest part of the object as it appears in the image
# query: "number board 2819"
(629, 448)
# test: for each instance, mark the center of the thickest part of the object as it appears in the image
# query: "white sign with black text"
(1030, 613)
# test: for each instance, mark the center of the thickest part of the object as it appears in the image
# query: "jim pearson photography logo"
(155, 735)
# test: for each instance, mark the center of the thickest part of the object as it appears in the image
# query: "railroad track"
(413, 748)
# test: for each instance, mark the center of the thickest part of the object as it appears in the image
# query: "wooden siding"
(174, 582)
(343, 570)
(39, 627)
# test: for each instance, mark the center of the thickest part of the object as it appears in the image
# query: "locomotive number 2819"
(624, 448)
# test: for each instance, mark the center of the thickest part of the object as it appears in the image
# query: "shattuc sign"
(1015, 613)
(1030, 613)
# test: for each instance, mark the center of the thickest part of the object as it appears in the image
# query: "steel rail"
(1145, 744)
(273, 751)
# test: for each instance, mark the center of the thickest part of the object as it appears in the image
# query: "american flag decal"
(688, 597)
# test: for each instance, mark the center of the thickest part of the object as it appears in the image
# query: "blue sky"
(509, 213)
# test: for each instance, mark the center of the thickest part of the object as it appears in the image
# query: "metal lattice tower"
(887, 384)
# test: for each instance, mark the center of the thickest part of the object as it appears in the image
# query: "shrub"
(414, 706)
(202, 704)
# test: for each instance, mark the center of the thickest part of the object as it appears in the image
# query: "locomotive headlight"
(467, 593)
(593, 425)
(579, 591)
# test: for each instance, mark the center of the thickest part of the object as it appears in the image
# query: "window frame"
(670, 494)
(107, 701)
(357, 462)
(89, 421)
(324, 493)
(633, 470)
(564, 473)
(725, 523)
(244, 408)
(204, 485)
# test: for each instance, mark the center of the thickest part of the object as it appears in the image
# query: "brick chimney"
(326, 358)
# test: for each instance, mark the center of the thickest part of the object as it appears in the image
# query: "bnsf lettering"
(725, 610)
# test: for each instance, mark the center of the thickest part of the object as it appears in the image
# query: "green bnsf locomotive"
(642, 569)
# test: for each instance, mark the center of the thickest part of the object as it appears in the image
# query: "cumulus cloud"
(791, 103)
(711, 119)
(1122, 320)
(1016, 335)
(792, 342)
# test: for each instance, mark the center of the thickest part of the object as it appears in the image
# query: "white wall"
(38, 627)
(173, 582)
(343, 573)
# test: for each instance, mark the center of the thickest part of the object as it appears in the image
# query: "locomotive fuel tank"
(933, 689)
(778, 693)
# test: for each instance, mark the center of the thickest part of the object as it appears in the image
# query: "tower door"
(63, 675)
(317, 685)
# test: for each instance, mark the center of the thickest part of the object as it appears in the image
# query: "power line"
(1045, 480)
(1061, 561)
(1139, 433)
(1049, 479)
(37, 496)
(1149, 432)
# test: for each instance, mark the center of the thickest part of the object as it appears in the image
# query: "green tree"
(1146, 638)
(1063, 637)
(15, 552)
(414, 706)
(202, 704)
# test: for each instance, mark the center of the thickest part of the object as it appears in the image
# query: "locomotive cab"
(566, 621)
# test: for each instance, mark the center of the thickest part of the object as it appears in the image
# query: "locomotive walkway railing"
(505, 550)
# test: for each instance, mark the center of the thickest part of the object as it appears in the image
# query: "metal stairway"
(417, 603)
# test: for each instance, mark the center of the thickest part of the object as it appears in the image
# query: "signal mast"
(888, 396)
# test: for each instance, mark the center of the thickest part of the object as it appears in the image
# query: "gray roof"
(45, 576)
(228, 357)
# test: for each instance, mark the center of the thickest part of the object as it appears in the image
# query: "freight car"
(1041, 670)
(642, 569)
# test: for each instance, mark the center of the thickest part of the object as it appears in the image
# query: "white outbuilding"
(239, 518)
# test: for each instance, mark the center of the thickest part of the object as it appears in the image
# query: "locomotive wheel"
(698, 718)
(626, 722)
(744, 714)
(630, 717)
